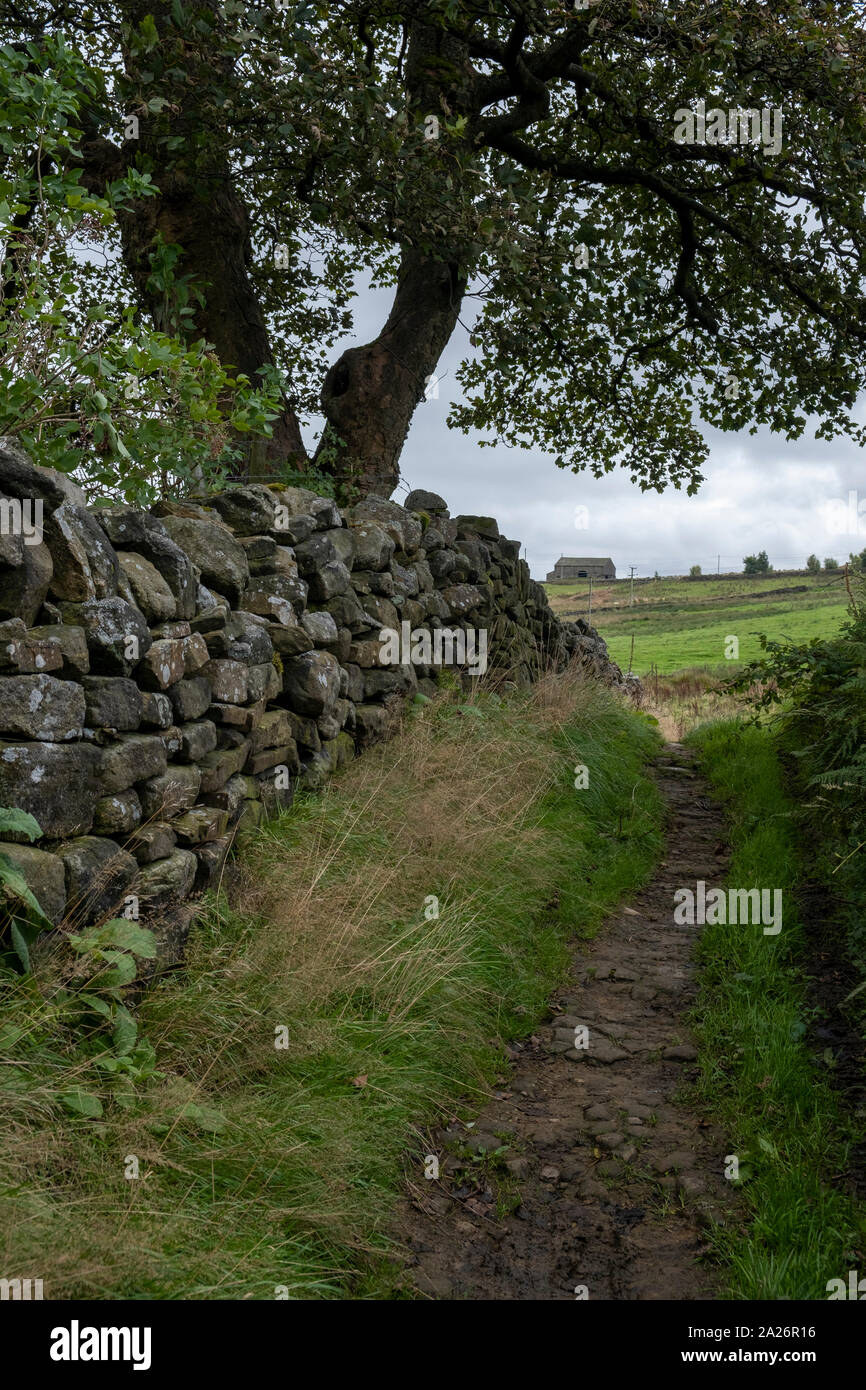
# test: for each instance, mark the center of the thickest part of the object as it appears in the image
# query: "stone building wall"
(168, 677)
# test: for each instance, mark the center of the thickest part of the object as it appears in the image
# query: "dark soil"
(586, 1175)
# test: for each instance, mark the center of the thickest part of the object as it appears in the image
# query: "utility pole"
(718, 564)
(589, 614)
(631, 591)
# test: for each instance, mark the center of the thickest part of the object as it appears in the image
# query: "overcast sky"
(760, 493)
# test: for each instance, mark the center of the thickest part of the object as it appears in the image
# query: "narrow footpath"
(586, 1176)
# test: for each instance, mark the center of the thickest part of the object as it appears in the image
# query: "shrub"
(757, 564)
(817, 691)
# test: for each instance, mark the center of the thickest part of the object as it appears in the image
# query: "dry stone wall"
(168, 677)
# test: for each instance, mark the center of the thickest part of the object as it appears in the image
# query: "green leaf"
(125, 1031)
(16, 822)
(10, 1034)
(21, 943)
(93, 1001)
(84, 1103)
(27, 918)
(13, 885)
(122, 934)
(148, 32)
(122, 972)
(205, 1116)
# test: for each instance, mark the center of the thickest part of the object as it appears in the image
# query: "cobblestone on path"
(597, 1182)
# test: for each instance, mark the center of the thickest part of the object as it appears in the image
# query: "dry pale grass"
(402, 823)
(686, 699)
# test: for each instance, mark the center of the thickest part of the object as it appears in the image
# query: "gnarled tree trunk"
(371, 392)
(208, 219)
(199, 209)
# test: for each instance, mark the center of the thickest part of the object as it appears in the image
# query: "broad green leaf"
(123, 935)
(16, 822)
(205, 1116)
(99, 1006)
(82, 1103)
(125, 1031)
(122, 970)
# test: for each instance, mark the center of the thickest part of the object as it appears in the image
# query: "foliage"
(19, 910)
(88, 385)
(818, 688)
(757, 564)
(311, 478)
(112, 948)
(106, 953)
(624, 286)
(813, 564)
(695, 571)
(16, 822)
(817, 694)
(89, 1014)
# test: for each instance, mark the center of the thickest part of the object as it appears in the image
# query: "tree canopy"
(650, 216)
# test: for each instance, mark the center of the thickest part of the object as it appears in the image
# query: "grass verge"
(387, 937)
(758, 1076)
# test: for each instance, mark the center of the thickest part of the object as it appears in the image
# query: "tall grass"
(394, 932)
(685, 699)
(758, 1076)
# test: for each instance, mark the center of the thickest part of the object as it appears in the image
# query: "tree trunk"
(371, 392)
(209, 221)
(199, 209)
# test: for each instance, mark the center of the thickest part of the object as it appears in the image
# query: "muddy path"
(586, 1175)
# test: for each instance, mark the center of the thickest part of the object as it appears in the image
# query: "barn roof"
(584, 560)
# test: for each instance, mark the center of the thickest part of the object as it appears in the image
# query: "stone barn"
(573, 567)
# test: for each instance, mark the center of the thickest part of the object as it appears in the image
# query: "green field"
(679, 622)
